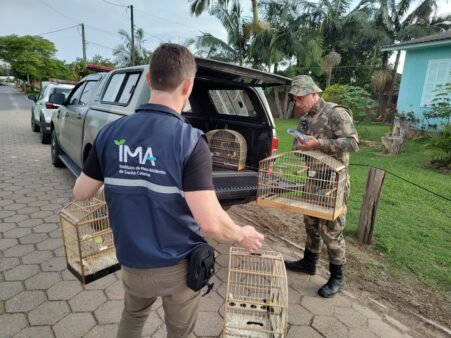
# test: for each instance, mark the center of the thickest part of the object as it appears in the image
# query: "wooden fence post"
(370, 204)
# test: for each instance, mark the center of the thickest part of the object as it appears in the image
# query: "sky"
(162, 21)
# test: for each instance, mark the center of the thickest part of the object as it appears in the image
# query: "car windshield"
(64, 91)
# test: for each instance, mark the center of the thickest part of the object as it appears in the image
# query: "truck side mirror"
(57, 99)
(32, 97)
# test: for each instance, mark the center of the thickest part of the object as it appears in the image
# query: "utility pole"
(132, 35)
(83, 41)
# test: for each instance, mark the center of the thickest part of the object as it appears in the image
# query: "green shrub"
(441, 145)
(441, 142)
(356, 98)
(441, 104)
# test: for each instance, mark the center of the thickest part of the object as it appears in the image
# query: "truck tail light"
(274, 146)
(49, 105)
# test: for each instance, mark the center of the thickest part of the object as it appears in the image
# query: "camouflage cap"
(303, 85)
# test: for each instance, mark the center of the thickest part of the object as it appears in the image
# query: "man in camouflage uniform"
(330, 130)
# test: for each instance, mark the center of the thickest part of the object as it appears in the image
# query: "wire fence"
(412, 224)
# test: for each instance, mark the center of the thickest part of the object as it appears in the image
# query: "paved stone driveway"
(40, 298)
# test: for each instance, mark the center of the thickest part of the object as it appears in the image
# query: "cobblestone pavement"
(40, 298)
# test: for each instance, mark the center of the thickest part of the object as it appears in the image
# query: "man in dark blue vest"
(157, 172)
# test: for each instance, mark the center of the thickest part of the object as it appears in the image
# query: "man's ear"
(148, 78)
(187, 86)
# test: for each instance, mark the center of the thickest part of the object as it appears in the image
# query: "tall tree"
(250, 28)
(31, 57)
(122, 52)
(348, 34)
(288, 37)
(288, 44)
(236, 47)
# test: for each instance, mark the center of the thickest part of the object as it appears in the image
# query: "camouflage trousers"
(330, 232)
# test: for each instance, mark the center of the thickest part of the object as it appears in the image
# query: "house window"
(438, 73)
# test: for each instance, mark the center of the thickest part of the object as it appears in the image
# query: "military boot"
(306, 265)
(335, 283)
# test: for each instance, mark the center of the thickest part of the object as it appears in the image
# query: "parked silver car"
(41, 112)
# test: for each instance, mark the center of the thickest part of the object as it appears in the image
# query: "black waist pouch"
(201, 268)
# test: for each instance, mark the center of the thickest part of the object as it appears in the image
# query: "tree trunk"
(393, 142)
(381, 93)
(381, 112)
(255, 18)
(288, 107)
(388, 113)
(277, 102)
(329, 77)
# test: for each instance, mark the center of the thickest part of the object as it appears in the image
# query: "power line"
(90, 26)
(100, 45)
(161, 18)
(57, 11)
(114, 4)
(58, 30)
(101, 30)
(405, 180)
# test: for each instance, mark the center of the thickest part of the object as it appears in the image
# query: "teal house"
(427, 64)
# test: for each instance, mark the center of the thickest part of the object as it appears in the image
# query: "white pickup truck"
(225, 96)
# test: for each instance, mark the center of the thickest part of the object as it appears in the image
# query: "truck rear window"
(120, 88)
(232, 102)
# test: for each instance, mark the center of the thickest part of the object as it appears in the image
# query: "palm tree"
(123, 54)
(253, 27)
(288, 37)
(236, 47)
(347, 33)
(287, 43)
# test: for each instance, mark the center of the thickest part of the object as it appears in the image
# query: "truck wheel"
(45, 137)
(55, 151)
(34, 126)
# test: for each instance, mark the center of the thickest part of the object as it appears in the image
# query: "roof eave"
(416, 45)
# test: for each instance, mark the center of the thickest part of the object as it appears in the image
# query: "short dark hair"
(170, 64)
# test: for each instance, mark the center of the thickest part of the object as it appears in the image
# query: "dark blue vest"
(142, 157)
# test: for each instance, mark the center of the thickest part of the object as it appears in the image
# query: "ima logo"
(125, 152)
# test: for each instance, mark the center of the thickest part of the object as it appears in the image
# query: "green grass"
(413, 227)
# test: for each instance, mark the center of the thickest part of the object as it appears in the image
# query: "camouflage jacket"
(333, 127)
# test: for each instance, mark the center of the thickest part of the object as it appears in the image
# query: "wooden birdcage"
(228, 148)
(88, 239)
(257, 295)
(306, 182)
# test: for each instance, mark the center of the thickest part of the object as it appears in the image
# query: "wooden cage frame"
(92, 214)
(306, 182)
(228, 148)
(257, 295)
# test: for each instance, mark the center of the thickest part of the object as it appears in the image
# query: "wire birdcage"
(306, 182)
(228, 148)
(257, 295)
(88, 239)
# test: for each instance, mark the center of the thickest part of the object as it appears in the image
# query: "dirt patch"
(368, 275)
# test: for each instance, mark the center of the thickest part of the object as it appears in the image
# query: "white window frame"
(431, 80)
